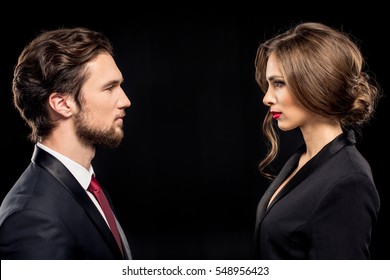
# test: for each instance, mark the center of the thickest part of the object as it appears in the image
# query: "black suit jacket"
(48, 215)
(326, 211)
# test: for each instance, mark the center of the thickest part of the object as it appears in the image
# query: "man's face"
(100, 120)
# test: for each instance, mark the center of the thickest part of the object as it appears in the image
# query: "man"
(67, 87)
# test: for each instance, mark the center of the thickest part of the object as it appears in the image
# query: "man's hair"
(53, 62)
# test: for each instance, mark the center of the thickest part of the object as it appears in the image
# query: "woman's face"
(284, 106)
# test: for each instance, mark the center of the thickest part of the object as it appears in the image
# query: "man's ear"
(61, 104)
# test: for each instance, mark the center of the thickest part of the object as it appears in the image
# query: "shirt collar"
(82, 175)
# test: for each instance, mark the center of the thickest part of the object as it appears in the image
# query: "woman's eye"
(278, 83)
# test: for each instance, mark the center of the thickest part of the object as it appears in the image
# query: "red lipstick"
(276, 115)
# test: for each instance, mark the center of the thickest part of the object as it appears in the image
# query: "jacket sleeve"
(30, 234)
(342, 221)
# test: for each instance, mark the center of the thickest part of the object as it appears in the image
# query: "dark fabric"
(326, 211)
(48, 215)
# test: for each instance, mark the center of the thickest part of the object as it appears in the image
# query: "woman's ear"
(61, 104)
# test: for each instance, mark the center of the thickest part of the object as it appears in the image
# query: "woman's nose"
(268, 98)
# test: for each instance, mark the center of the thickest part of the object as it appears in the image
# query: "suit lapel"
(125, 244)
(344, 139)
(283, 174)
(67, 180)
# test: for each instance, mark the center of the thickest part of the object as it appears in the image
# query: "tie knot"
(94, 186)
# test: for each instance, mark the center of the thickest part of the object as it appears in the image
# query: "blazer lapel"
(344, 139)
(125, 244)
(67, 180)
(289, 166)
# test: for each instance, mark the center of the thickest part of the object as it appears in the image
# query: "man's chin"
(110, 143)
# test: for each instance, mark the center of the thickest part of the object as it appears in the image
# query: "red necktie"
(96, 190)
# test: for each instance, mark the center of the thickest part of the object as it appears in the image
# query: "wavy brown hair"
(53, 62)
(323, 68)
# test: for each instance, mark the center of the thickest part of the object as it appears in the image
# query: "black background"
(184, 180)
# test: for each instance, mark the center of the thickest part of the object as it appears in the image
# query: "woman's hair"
(54, 61)
(323, 68)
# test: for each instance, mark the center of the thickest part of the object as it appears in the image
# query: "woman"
(323, 203)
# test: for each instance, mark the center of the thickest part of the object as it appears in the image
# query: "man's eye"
(111, 87)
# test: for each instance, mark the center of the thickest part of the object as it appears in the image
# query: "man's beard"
(106, 138)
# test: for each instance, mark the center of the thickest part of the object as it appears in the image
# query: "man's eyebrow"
(113, 82)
